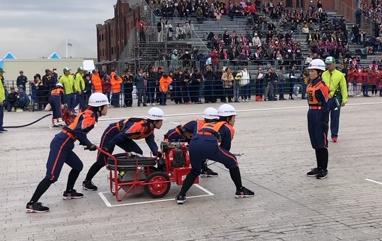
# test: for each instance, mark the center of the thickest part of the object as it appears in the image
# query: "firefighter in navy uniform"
(318, 117)
(213, 142)
(56, 99)
(61, 151)
(184, 133)
(123, 134)
(111, 131)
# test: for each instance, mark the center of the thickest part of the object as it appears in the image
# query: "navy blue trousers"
(61, 151)
(202, 148)
(318, 128)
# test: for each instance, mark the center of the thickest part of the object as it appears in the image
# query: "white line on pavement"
(109, 205)
(248, 110)
(370, 180)
(104, 199)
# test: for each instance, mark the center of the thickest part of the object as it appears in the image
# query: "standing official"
(318, 117)
(336, 82)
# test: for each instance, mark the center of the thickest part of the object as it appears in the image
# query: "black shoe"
(206, 172)
(72, 194)
(180, 199)
(88, 185)
(322, 174)
(312, 172)
(36, 208)
(243, 193)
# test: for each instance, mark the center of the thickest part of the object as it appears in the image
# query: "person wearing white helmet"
(56, 99)
(212, 142)
(61, 151)
(122, 134)
(184, 133)
(318, 116)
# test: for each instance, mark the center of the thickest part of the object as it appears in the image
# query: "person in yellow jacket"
(79, 86)
(2, 99)
(336, 82)
(67, 80)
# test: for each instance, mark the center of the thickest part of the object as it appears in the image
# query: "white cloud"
(32, 29)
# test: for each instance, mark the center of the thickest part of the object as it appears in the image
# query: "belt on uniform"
(205, 133)
(68, 134)
(315, 107)
(209, 133)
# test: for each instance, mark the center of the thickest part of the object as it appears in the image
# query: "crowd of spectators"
(167, 32)
(372, 11)
(202, 9)
(193, 76)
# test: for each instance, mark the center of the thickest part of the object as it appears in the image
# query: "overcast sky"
(35, 28)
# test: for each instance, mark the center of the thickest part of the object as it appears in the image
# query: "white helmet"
(59, 85)
(97, 100)
(155, 113)
(226, 110)
(317, 64)
(210, 113)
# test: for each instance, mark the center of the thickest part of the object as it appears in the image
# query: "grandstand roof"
(9, 55)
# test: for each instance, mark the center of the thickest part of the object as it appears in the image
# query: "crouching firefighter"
(184, 133)
(211, 142)
(61, 151)
(123, 134)
(318, 117)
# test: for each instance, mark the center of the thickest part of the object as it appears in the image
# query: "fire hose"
(33, 122)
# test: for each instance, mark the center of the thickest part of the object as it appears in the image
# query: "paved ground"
(287, 206)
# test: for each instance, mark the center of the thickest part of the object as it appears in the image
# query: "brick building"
(113, 35)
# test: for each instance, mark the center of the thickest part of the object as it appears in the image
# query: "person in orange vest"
(213, 142)
(164, 84)
(318, 117)
(96, 81)
(184, 133)
(116, 83)
(61, 151)
(56, 99)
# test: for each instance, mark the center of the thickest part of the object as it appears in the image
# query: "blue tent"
(9, 55)
(54, 56)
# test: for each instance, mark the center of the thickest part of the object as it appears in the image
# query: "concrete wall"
(33, 66)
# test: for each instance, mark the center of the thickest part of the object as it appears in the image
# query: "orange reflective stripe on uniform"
(231, 130)
(178, 130)
(311, 91)
(56, 92)
(199, 124)
(138, 130)
(213, 126)
(87, 121)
